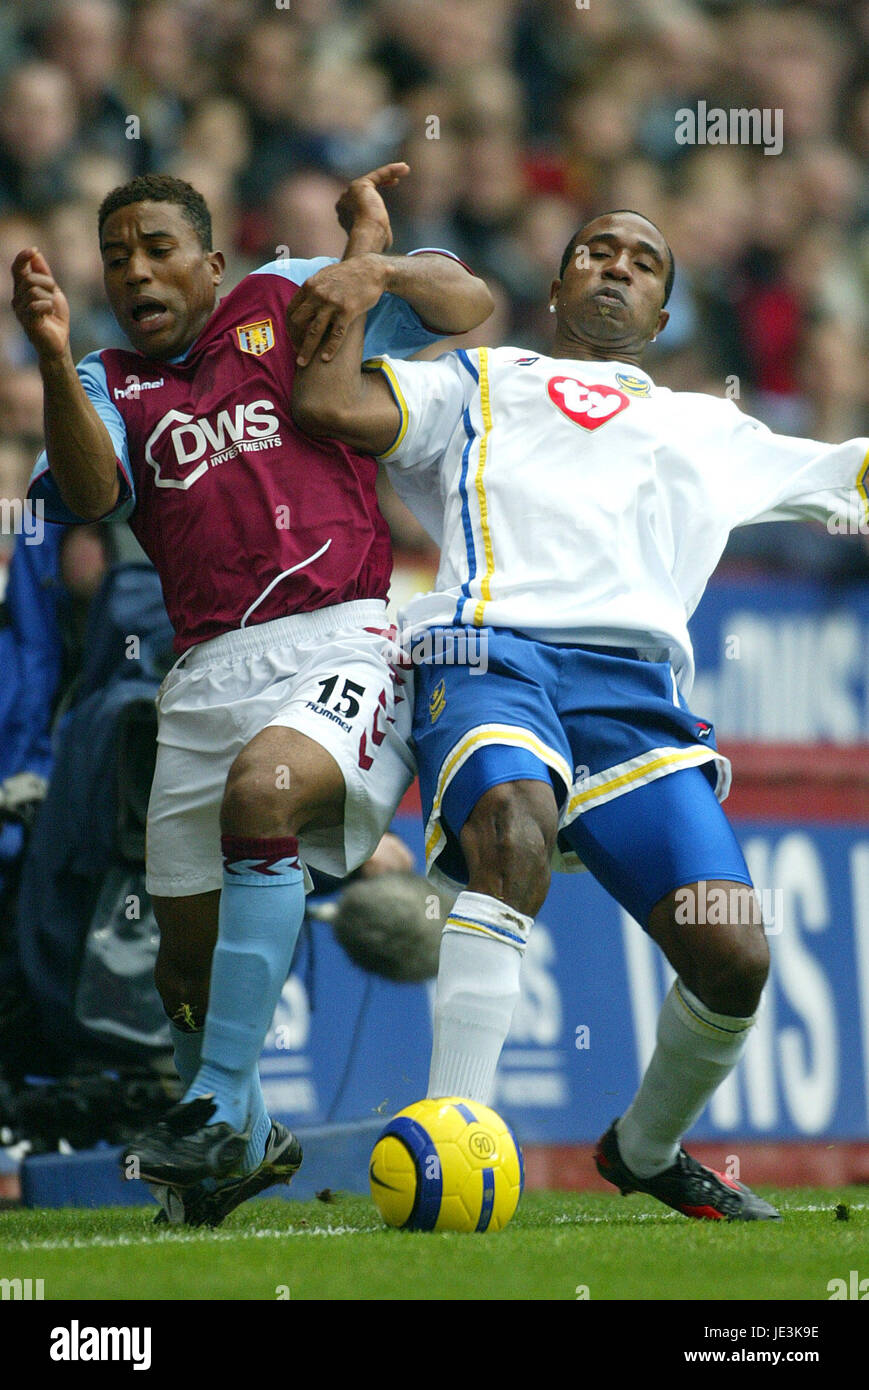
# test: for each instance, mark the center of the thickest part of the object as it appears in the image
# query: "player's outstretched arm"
(80, 453)
(337, 400)
(443, 293)
(775, 477)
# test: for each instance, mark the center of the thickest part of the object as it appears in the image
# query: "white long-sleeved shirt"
(578, 502)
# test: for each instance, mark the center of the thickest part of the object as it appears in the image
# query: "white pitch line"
(567, 1220)
(176, 1238)
(852, 1206)
(200, 1237)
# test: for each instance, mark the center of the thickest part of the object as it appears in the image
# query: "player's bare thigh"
(281, 783)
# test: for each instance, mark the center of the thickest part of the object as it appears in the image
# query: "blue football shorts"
(637, 777)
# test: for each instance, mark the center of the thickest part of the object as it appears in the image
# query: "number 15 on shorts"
(347, 704)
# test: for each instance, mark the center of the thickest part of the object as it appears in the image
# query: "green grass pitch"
(559, 1246)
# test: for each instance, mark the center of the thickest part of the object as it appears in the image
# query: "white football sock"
(481, 954)
(696, 1050)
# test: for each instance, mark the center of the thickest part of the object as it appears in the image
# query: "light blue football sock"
(262, 906)
(260, 1124)
(188, 1054)
(187, 1046)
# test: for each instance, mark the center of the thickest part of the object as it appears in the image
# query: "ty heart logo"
(589, 406)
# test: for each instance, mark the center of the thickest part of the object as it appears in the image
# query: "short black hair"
(161, 188)
(571, 245)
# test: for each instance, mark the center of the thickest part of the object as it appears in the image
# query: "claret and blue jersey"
(245, 518)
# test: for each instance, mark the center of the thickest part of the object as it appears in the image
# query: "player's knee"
(732, 974)
(258, 798)
(752, 964)
(508, 841)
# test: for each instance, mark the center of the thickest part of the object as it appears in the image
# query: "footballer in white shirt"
(580, 510)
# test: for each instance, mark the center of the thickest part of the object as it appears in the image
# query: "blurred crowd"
(520, 119)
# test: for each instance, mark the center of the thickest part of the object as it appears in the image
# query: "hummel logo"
(134, 387)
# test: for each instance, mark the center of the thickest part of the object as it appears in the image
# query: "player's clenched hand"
(39, 304)
(361, 203)
(326, 305)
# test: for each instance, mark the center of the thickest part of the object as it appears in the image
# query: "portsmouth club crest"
(256, 338)
(634, 385)
(437, 701)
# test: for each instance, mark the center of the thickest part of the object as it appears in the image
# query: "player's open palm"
(39, 304)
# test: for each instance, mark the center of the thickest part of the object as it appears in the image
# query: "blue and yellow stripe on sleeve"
(863, 486)
(378, 364)
(478, 491)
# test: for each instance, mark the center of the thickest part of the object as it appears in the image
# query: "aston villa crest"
(256, 338)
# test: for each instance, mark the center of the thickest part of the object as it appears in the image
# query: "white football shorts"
(330, 674)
